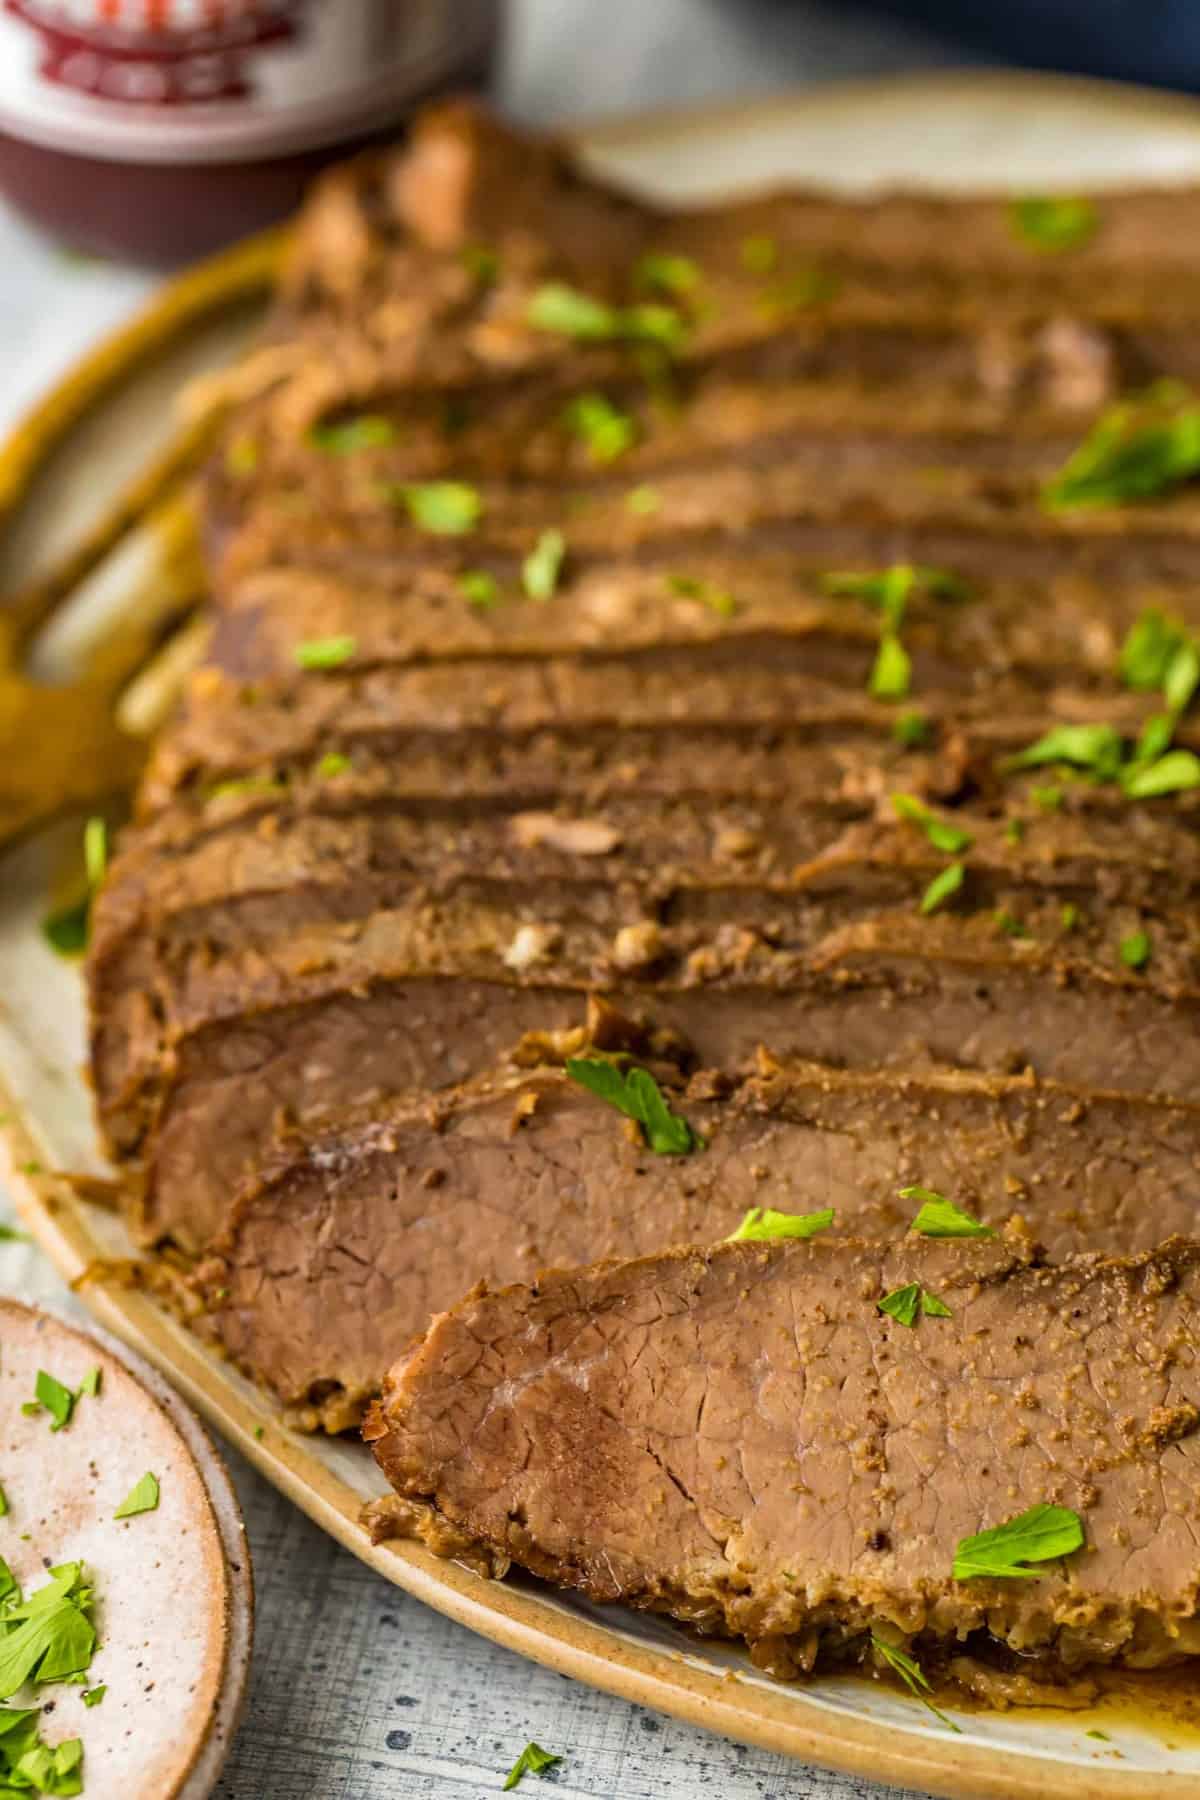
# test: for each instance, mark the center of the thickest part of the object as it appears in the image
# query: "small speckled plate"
(69, 471)
(174, 1597)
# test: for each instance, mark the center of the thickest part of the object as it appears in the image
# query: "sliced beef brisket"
(740, 1438)
(356, 1235)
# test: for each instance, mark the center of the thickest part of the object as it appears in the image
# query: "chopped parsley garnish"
(892, 669)
(660, 272)
(636, 1094)
(942, 887)
(90, 1384)
(1138, 449)
(67, 930)
(345, 437)
(905, 1304)
(1040, 1535)
(447, 508)
(479, 587)
(1169, 774)
(27, 1765)
(1069, 916)
(479, 261)
(911, 729)
(141, 1498)
(717, 599)
(607, 432)
(890, 588)
(1183, 673)
(761, 1225)
(3, 1504)
(1135, 950)
(1053, 223)
(940, 1218)
(1008, 923)
(940, 832)
(1150, 645)
(50, 1636)
(53, 1398)
(1096, 748)
(541, 568)
(1049, 799)
(643, 500)
(93, 1696)
(759, 255)
(334, 762)
(245, 784)
(912, 1675)
(533, 1760)
(802, 287)
(565, 310)
(325, 653)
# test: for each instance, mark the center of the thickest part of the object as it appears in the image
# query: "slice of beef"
(355, 1236)
(888, 991)
(738, 1437)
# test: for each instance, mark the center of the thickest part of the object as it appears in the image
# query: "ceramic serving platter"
(982, 132)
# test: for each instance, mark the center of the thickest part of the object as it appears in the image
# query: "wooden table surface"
(358, 1692)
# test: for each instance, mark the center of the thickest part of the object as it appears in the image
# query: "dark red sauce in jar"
(159, 129)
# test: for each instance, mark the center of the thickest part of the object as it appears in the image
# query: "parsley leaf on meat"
(541, 569)
(1137, 450)
(940, 1218)
(905, 1304)
(57, 1400)
(1135, 950)
(479, 588)
(607, 432)
(717, 599)
(911, 729)
(943, 886)
(346, 437)
(1050, 222)
(761, 1225)
(940, 832)
(636, 1094)
(912, 1675)
(325, 653)
(557, 307)
(1169, 774)
(892, 671)
(67, 929)
(1150, 645)
(1041, 1534)
(659, 271)
(1096, 748)
(446, 508)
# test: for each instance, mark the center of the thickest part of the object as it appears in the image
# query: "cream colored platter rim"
(990, 131)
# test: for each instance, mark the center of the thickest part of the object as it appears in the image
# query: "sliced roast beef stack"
(658, 639)
(741, 1437)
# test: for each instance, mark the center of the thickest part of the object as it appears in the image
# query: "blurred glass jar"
(159, 129)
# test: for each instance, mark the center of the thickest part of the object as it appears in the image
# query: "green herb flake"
(1181, 678)
(1173, 773)
(1008, 924)
(347, 437)
(90, 1385)
(890, 588)
(1048, 799)
(334, 762)
(1102, 1735)
(800, 288)
(325, 653)
(762, 1225)
(717, 599)
(594, 419)
(542, 567)
(1053, 223)
(1096, 748)
(141, 1498)
(1138, 449)
(913, 1677)
(66, 931)
(1135, 950)
(445, 508)
(482, 264)
(940, 832)
(93, 1696)
(479, 588)
(533, 1760)
(49, 1636)
(1154, 740)
(58, 1401)
(643, 500)
(758, 255)
(892, 669)
(940, 1218)
(1042, 1534)
(942, 887)
(556, 307)
(911, 729)
(3, 1504)
(906, 1304)
(243, 785)
(1069, 916)
(636, 1094)
(1149, 647)
(662, 273)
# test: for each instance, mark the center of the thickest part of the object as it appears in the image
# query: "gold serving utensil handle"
(75, 744)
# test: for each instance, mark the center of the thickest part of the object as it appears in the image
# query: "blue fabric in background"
(1135, 40)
